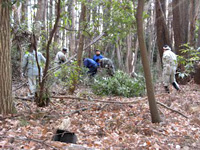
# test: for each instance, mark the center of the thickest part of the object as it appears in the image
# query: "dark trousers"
(92, 71)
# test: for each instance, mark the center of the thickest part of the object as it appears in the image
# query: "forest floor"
(101, 125)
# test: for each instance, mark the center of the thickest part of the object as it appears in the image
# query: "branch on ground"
(123, 103)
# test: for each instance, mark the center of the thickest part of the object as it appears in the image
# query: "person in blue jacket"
(91, 65)
(97, 56)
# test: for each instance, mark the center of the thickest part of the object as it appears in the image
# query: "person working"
(169, 68)
(107, 64)
(91, 65)
(60, 57)
(29, 67)
(97, 56)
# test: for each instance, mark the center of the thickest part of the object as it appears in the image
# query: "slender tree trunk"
(198, 40)
(6, 103)
(57, 37)
(149, 85)
(17, 23)
(64, 24)
(82, 23)
(128, 54)
(42, 98)
(16, 15)
(159, 67)
(73, 33)
(135, 57)
(50, 14)
(118, 50)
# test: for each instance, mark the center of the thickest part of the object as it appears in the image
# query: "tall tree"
(194, 7)
(129, 54)
(149, 85)
(6, 103)
(57, 37)
(180, 23)
(184, 15)
(161, 26)
(82, 26)
(41, 10)
(72, 43)
(42, 97)
(40, 21)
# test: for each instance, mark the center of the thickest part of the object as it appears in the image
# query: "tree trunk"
(198, 40)
(118, 50)
(177, 25)
(6, 103)
(180, 27)
(50, 16)
(64, 23)
(184, 13)
(82, 23)
(42, 97)
(180, 23)
(149, 85)
(16, 15)
(194, 7)
(24, 12)
(161, 26)
(135, 55)
(41, 10)
(128, 54)
(72, 42)
(57, 37)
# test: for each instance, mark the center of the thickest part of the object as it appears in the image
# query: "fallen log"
(98, 100)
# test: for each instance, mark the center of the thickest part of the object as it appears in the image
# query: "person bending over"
(91, 65)
(107, 64)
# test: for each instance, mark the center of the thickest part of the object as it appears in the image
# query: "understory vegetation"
(121, 84)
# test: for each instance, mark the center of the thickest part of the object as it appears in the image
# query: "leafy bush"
(190, 58)
(69, 75)
(121, 84)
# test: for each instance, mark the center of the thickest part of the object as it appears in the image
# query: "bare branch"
(173, 110)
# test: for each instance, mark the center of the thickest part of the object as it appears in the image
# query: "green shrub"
(121, 84)
(188, 60)
(69, 75)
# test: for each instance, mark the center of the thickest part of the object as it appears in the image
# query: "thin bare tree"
(155, 117)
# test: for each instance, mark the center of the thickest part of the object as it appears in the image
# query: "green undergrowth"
(121, 84)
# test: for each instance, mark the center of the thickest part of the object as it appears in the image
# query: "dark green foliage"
(121, 84)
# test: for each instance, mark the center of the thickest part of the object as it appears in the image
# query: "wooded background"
(108, 25)
(165, 22)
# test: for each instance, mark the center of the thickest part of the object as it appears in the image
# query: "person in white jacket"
(60, 57)
(30, 68)
(169, 68)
